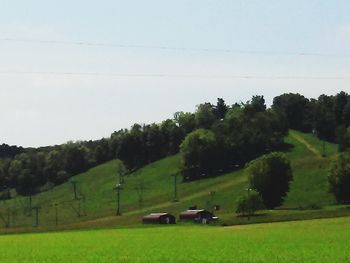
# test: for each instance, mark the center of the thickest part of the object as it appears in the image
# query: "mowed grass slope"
(325, 240)
(310, 170)
(151, 189)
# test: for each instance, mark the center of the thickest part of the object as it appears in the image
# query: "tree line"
(242, 133)
(31, 170)
(327, 117)
(213, 139)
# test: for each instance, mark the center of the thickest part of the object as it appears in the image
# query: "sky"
(264, 39)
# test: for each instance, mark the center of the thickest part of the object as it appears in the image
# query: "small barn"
(159, 218)
(198, 216)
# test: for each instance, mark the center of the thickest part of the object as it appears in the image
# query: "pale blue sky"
(41, 110)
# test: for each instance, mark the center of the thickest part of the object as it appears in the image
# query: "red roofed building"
(159, 218)
(199, 216)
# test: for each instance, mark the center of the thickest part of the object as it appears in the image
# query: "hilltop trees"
(7, 151)
(32, 169)
(270, 175)
(294, 106)
(27, 183)
(186, 121)
(339, 178)
(322, 116)
(343, 138)
(205, 115)
(54, 165)
(144, 144)
(101, 152)
(258, 104)
(75, 158)
(26, 173)
(245, 132)
(199, 153)
(331, 113)
(220, 109)
(239, 133)
(214, 139)
(172, 137)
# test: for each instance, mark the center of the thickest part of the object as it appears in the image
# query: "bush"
(248, 205)
(339, 178)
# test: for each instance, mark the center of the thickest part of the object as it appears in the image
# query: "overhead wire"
(166, 75)
(174, 48)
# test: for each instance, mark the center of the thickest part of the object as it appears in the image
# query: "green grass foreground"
(324, 240)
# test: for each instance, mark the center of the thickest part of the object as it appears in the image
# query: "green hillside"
(152, 189)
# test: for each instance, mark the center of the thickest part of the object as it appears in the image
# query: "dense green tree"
(14, 171)
(99, 154)
(131, 147)
(7, 151)
(258, 104)
(309, 116)
(172, 136)
(198, 154)
(220, 109)
(340, 101)
(54, 164)
(38, 167)
(101, 151)
(294, 106)
(346, 113)
(153, 141)
(343, 138)
(205, 115)
(3, 183)
(243, 135)
(26, 183)
(4, 187)
(322, 116)
(249, 134)
(186, 121)
(325, 119)
(75, 158)
(339, 178)
(270, 176)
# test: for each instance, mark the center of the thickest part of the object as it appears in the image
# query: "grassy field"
(310, 185)
(151, 189)
(325, 240)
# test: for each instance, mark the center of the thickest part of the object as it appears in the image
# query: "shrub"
(248, 205)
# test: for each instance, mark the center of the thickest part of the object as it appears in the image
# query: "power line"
(170, 48)
(161, 75)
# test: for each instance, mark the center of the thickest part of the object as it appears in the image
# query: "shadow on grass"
(252, 216)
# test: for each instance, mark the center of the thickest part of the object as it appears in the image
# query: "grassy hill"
(151, 189)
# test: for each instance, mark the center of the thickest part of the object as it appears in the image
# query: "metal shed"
(199, 216)
(159, 218)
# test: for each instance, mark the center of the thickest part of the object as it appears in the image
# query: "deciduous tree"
(270, 176)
